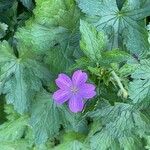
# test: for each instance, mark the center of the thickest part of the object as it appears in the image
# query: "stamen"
(74, 89)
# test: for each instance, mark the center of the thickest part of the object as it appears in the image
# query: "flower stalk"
(122, 92)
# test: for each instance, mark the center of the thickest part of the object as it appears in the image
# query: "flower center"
(74, 89)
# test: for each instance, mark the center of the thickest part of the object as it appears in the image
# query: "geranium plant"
(74, 75)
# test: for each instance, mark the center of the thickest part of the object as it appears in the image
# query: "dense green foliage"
(108, 39)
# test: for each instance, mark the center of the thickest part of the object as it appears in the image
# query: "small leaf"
(115, 56)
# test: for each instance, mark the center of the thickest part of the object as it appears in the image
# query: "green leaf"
(18, 87)
(148, 28)
(115, 56)
(81, 63)
(5, 4)
(127, 69)
(11, 113)
(118, 123)
(72, 141)
(120, 3)
(92, 42)
(73, 145)
(8, 10)
(32, 35)
(55, 65)
(136, 38)
(59, 27)
(126, 24)
(13, 130)
(139, 88)
(45, 146)
(6, 53)
(103, 141)
(15, 145)
(138, 9)
(56, 25)
(47, 117)
(139, 91)
(27, 3)
(131, 143)
(148, 143)
(109, 93)
(58, 13)
(3, 29)
(2, 111)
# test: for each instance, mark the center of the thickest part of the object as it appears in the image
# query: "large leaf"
(20, 77)
(53, 33)
(118, 123)
(47, 28)
(121, 24)
(47, 118)
(104, 140)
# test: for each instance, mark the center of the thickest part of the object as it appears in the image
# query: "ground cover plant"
(74, 75)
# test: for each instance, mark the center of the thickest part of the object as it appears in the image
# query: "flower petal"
(61, 96)
(76, 104)
(63, 81)
(79, 77)
(87, 90)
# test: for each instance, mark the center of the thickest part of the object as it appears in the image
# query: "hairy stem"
(122, 91)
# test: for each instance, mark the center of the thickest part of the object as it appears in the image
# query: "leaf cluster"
(108, 39)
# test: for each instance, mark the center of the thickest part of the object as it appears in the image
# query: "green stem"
(122, 91)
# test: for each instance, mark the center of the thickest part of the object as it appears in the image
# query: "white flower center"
(74, 89)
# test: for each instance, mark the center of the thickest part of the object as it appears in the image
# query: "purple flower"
(74, 90)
